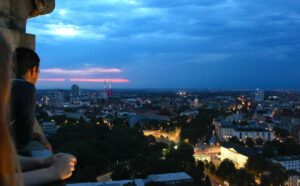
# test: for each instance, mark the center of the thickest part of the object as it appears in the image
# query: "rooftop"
(169, 177)
(238, 148)
(287, 158)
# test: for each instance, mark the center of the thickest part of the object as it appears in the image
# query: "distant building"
(288, 162)
(225, 131)
(133, 121)
(238, 117)
(76, 115)
(137, 182)
(213, 139)
(170, 179)
(236, 153)
(259, 96)
(253, 133)
(295, 132)
(155, 117)
(75, 90)
(125, 114)
(196, 103)
(294, 178)
(166, 179)
(57, 99)
(105, 177)
(44, 100)
(108, 89)
(190, 113)
(103, 96)
(49, 128)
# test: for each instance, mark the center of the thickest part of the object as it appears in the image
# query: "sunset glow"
(52, 79)
(100, 80)
(87, 71)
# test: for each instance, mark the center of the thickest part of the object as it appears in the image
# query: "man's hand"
(63, 165)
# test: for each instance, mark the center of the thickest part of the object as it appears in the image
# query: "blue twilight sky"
(227, 44)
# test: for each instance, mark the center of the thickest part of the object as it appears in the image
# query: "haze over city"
(224, 44)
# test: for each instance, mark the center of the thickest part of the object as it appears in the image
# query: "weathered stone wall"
(18, 39)
(4, 10)
(13, 19)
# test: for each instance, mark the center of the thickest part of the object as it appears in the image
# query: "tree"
(121, 172)
(256, 164)
(268, 151)
(280, 132)
(249, 142)
(289, 147)
(278, 174)
(226, 169)
(207, 181)
(42, 115)
(81, 121)
(235, 140)
(265, 179)
(259, 141)
(165, 112)
(183, 156)
(242, 177)
(197, 173)
(210, 167)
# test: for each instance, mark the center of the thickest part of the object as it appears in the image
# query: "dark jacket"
(22, 111)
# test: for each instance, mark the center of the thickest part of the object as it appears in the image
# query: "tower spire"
(110, 89)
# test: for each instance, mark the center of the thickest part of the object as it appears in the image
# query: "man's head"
(27, 64)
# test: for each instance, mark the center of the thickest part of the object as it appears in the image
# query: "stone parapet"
(18, 39)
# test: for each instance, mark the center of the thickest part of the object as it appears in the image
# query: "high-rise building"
(75, 90)
(108, 89)
(259, 96)
(110, 92)
(58, 98)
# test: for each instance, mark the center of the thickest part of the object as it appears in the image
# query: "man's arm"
(40, 135)
(58, 167)
(23, 95)
(28, 163)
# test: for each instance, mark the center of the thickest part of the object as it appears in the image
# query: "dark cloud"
(208, 43)
(181, 3)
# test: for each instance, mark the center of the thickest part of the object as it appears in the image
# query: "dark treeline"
(124, 151)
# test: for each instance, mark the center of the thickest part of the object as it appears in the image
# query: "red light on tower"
(108, 89)
(110, 92)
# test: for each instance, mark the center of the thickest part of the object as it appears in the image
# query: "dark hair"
(8, 159)
(25, 59)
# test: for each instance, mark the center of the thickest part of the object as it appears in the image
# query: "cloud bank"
(178, 43)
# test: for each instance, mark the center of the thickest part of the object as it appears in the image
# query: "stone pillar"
(4, 10)
(18, 39)
(13, 19)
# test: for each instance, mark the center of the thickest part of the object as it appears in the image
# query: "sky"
(199, 44)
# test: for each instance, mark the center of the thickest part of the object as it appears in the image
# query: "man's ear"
(33, 70)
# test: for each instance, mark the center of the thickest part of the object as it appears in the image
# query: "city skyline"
(222, 44)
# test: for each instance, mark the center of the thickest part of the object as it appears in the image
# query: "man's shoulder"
(22, 86)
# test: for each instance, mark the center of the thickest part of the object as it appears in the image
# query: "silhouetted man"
(24, 124)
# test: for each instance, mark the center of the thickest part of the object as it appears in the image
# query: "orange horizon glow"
(52, 79)
(84, 80)
(90, 80)
(87, 71)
